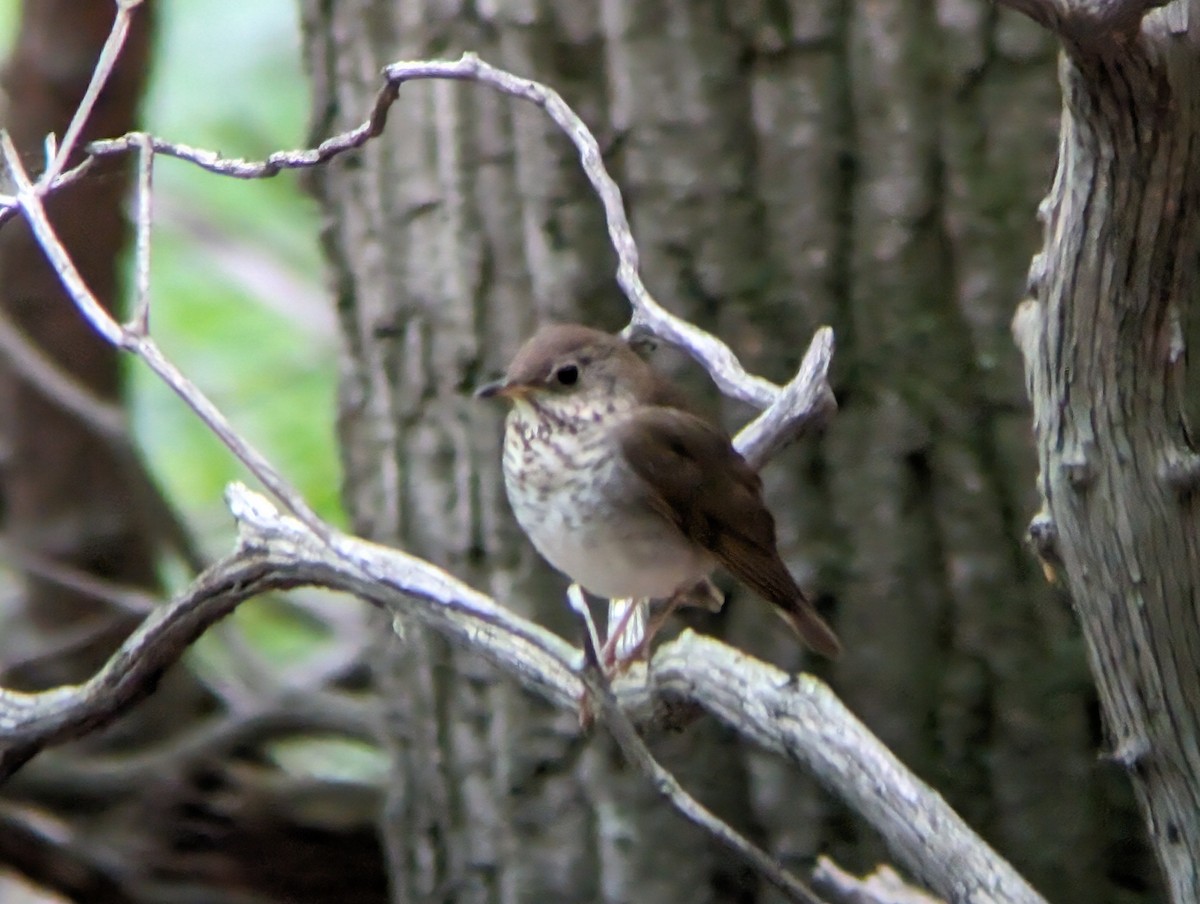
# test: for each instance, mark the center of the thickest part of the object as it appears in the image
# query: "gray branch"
(797, 717)
(649, 317)
(624, 732)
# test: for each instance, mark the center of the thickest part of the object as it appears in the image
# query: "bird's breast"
(587, 512)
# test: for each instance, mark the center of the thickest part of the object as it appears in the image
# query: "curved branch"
(803, 718)
(649, 317)
(96, 781)
(52, 858)
(796, 716)
(800, 718)
(625, 733)
(806, 402)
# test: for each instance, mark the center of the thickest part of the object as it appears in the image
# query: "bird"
(625, 489)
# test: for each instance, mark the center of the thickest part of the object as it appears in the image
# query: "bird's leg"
(642, 648)
(626, 630)
(578, 602)
(620, 652)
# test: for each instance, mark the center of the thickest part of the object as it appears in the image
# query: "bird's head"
(566, 365)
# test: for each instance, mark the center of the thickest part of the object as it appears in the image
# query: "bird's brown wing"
(696, 479)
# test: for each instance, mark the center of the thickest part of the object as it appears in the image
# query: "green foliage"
(238, 300)
(236, 278)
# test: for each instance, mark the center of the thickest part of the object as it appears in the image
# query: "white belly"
(615, 559)
(612, 543)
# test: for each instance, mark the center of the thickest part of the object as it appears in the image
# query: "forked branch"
(801, 719)
(798, 717)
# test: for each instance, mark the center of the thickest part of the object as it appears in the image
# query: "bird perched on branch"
(624, 489)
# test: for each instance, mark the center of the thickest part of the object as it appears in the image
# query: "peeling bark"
(1104, 352)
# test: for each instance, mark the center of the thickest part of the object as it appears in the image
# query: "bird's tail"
(812, 628)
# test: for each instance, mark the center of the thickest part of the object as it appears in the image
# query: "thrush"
(621, 486)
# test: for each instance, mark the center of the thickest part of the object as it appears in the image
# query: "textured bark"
(1104, 346)
(870, 166)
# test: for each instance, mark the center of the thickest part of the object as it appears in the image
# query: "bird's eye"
(567, 375)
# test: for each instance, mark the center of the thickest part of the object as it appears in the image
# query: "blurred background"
(240, 302)
(786, 165)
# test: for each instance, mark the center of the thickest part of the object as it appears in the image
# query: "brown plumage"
(676, 467)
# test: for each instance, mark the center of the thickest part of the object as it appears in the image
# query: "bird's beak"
(500, 389)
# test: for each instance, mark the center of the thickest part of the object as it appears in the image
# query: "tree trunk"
(1104, 343)
(875, 167)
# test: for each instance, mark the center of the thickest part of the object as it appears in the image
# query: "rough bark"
(1103, 339)
(870, 166)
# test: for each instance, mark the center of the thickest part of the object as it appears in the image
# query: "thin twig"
(57, 859)
(143, 346)
(796, 716)
(111, 424)
(274, 164)
(8, 203)
(122, 597)
(100, 75)
(29, 200)
(139, 322)
(106, 419)
(625, 734)
(291, 713)
(805, 402)
(649, 317)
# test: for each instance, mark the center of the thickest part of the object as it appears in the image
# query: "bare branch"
(111, 425)
(276, 553)
(90, 780)
(139, 323)
(649, 317)
(667, 786)
(106, 419)
(262, 169)
(100, 74)
(805, 402)
(122, 597)
(8, 203)
(29, 199)
(49, 854)
(797, 716)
